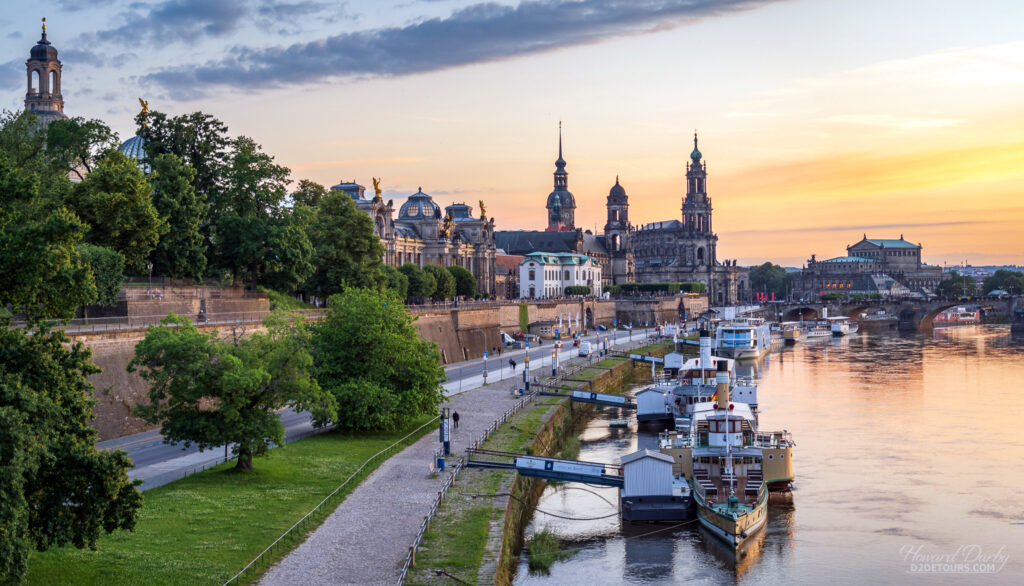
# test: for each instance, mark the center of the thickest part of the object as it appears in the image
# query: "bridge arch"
(801, 314)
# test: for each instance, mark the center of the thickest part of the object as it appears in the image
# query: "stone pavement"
(365, 540)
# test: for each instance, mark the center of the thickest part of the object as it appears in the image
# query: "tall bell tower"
(701, 240)
(43, 69)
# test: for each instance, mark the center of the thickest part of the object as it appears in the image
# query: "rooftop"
(890, 243)
(559, 258)
(850, 259)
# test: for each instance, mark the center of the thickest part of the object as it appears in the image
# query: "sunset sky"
(820, 120)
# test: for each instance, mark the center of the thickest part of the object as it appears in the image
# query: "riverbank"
(208, 526)
(477, 534)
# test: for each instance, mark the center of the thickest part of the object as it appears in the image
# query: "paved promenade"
(366, 539)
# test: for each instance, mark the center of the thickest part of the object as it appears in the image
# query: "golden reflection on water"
(903, 441)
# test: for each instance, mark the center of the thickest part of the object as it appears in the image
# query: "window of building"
(533, 274)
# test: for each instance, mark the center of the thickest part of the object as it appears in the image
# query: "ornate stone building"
(421, 235)
(686, 250)
(672, 250)
(888, 267)
(43, 70)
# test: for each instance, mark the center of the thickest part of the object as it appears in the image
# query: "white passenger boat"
(842, 325)
(819, 329)
(743, 339)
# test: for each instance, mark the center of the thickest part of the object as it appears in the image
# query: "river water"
(909, 464)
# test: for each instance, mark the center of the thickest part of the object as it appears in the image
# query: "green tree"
(577, 290)
(396, 281)
(287, 260)
(421, 283)
(198, 139)
(212, 392)
(56, 488)
(309, 193)
(444, 287)
(361, 326)
(115, 201)
(770, 278)
(42, 272)
(180, 253)
(348, 252)
(107, 270)
(1010, 281)
(956, 285)
(74, 145)
(465, 282)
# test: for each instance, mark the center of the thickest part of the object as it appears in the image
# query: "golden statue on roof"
(483, 210)
(145, 110)
(446, 228)
(376, 188)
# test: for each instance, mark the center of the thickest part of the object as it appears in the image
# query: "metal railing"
(410, 558)
(300, 526)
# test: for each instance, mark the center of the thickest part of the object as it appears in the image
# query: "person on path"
(512, 363)
(455, 419)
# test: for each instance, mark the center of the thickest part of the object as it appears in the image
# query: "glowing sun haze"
(819, 121)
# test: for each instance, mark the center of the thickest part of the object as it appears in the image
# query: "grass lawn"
(457, 536)
(206, 527)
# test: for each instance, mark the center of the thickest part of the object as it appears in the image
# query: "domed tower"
(697, 211)
(561, 218)
(43, 97)
(617, 226)
(617, 235)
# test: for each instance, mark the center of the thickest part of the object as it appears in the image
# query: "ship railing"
(774, 439)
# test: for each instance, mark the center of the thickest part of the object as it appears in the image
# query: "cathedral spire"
(560, 163)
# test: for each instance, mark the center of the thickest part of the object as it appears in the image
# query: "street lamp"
(149, 266)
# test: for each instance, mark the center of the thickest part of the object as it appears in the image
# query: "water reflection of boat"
(738, 559)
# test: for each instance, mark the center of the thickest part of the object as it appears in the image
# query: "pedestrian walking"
(512, 363)
(455, 419)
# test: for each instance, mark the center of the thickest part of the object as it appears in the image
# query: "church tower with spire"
(697, 212)
(561, 205)
(43, 97)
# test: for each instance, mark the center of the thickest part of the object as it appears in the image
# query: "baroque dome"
(419, 206)
(135, 148)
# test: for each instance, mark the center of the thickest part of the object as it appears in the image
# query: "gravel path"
(366, 539)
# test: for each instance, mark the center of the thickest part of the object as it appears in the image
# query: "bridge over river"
(912, 314)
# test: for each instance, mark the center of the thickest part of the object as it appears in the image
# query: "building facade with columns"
(422, 235)
(889, 267)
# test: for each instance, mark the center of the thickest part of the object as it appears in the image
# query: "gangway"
(547, 468)
(579, 396)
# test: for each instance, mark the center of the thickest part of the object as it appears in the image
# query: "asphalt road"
(158, 463)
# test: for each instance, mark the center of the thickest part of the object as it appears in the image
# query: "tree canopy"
(347, 251)
(114, 200)
(56, 488)
(1010, 281)
(180, 252)
(361, 327)
(465, 281)
(421, 283)
(956, 285)
(444, 282)
(770, 278)
(212, 392)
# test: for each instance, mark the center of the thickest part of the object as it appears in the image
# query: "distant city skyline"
(819, 121)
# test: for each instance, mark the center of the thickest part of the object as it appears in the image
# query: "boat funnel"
(705, 350)
(722, 381)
